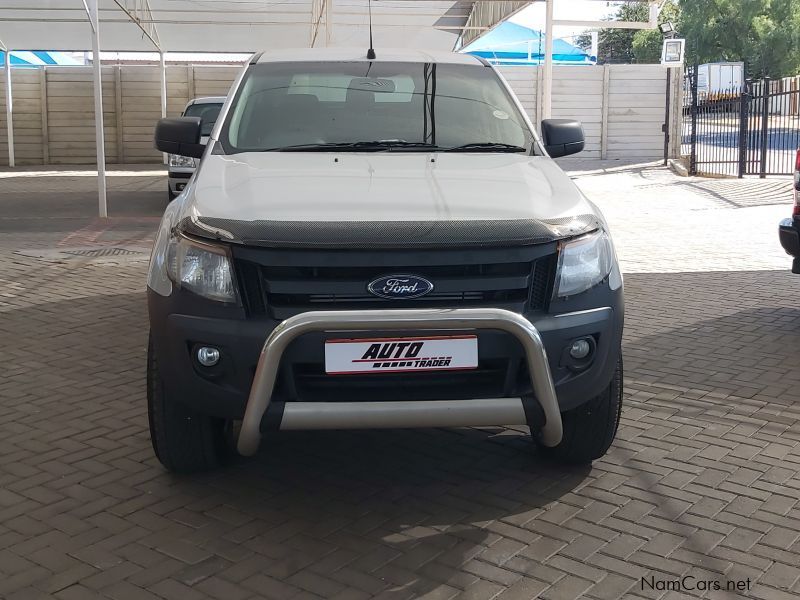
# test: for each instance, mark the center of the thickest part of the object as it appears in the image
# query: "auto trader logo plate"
(401, 355)
(400, 287)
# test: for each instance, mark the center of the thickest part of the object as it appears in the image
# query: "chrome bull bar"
(417, 413)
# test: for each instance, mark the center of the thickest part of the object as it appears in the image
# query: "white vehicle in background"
(379, 242)
(719, 81)
(181, 168)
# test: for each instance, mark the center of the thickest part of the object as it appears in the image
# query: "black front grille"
(492, 379)
(283, 283)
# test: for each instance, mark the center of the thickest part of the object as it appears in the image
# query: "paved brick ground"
(703, 479)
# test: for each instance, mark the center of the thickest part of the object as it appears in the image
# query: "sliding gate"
(750, 130)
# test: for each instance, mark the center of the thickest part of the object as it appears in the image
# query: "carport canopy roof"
(243, 25)
(230, 26)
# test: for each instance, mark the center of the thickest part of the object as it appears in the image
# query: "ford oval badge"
(400, 287)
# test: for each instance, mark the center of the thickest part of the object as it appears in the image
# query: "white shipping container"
(721, 77)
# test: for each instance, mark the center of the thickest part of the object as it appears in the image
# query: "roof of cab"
(360, 54)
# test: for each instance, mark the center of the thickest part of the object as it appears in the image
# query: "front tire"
(170, 194)
(590, 429)
(184, 440)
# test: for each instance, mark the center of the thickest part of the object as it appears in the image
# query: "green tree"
(631, 45)
(647, 43)
(583, 41)
(616, 45)
(765, 34)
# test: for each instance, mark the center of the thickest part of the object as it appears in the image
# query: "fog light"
(207, 356)
(580, 349)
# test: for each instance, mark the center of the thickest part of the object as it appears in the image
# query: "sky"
(533, 16)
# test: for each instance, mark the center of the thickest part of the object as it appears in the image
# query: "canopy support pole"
(547, 79)
(9, 107)
(328, 24)
(163, 66)
(98, 109)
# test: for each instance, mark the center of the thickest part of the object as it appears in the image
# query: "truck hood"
(258, 197)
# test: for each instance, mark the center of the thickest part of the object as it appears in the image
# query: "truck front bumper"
(412, 413)
(179, 177)
(515, 394)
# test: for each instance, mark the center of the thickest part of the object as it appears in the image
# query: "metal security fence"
(774, 126)
(750, 130)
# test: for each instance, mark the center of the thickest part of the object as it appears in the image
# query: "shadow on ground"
(50, 204)
(378, 504)
(394, 512)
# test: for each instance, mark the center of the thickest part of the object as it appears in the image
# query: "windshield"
(208, 114)
(373, 106)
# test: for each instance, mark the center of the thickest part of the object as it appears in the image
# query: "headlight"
(583, 263)
(176, 160)
(201, 268)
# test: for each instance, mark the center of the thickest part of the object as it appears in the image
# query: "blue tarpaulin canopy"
(513, 44)
(38, 58)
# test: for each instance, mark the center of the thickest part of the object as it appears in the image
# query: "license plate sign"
(401, 355)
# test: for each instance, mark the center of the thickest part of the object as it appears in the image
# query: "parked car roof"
(207, 100)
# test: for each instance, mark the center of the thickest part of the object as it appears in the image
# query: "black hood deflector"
(389, 234)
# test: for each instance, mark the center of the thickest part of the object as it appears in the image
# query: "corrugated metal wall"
(621, 107)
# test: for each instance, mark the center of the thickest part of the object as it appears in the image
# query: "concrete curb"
(677, 167)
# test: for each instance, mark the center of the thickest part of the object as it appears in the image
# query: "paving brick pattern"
(702, 481)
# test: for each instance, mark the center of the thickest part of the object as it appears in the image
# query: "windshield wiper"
(483, 146)
(376, 145)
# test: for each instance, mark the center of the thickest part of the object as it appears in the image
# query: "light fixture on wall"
(667, 28)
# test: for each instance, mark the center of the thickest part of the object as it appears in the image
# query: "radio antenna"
(371, 51)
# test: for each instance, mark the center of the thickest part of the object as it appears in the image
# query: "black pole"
(744, 116)
(693, 138)
(753, 131)
(371, 50)
(426, 80)
(764, 129)
(433, 103)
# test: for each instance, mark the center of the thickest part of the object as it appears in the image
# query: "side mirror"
(562, 137)
(180, 136)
